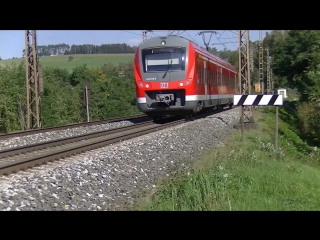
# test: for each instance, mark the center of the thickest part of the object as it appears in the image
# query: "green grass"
(92, 60)
(247, 175)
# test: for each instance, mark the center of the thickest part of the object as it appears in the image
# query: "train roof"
(204, 52)
(213, 57)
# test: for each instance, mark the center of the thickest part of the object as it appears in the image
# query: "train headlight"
(163, 43)
(147, 86)
(181, 84)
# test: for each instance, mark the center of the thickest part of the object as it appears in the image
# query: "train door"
(229, 87)
(205, 80)
(219, 83)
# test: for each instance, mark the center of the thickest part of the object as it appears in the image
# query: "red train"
(174, 76)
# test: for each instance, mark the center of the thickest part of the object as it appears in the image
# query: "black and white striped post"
(261, 100)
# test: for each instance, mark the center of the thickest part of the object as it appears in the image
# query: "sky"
(12, 41)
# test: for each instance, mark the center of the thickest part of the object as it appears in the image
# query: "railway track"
(21, 158)
(69, 126)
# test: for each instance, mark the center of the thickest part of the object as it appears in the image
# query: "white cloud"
(134, 41)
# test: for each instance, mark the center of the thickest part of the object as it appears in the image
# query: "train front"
(161, 65)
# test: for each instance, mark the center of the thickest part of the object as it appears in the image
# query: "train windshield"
(164, 59)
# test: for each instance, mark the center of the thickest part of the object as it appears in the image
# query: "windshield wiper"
(165, 74)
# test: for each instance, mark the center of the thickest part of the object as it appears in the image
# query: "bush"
(309, 121)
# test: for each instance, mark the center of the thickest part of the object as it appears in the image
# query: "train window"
(217, 77)
(203, 76)
(228, 80)
(212, 77)
(163, 59)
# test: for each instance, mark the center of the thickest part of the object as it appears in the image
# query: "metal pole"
(276, 130)
(87, 104)
(271, 76)
(268, 72)
(33, 82)
(241, 91)
(242, 123)
(261, 78)
(28, 74)
(144, 35)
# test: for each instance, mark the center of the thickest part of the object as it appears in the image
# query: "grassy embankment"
(91, 60)
(248, 175)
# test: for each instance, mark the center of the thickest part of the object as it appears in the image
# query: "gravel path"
(112, 177)
(47, 136)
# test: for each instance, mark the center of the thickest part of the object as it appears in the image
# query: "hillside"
(91, 60)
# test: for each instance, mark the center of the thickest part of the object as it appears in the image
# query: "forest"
(295, 64)
(62, 101)
(65, 49)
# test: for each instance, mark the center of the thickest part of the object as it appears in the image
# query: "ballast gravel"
(111, 178)
(54, 135)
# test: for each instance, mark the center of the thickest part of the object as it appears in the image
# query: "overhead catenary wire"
(131, 32)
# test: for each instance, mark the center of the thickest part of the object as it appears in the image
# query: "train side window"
(228, 79)
(203, 75)
(217, 78)
(222, 78)
(212, 76)
(207, 76)
(197, 70)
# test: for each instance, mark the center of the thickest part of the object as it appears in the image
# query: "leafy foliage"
(62, 101)
(297, 65)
